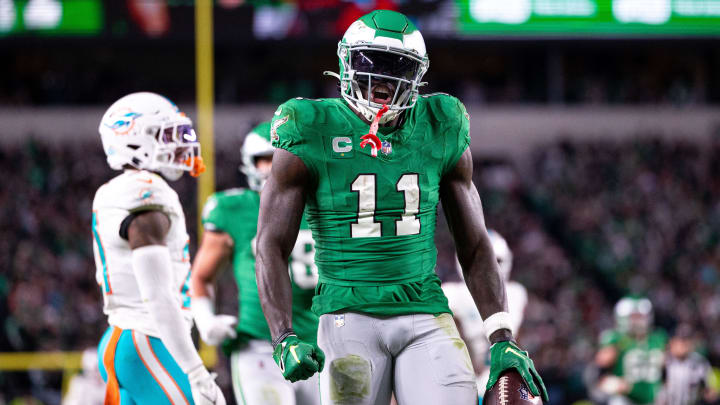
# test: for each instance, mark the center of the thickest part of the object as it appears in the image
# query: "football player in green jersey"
(631, 357)
(230, 221)
(370, 198)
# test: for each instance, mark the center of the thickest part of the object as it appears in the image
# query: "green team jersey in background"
(373, 218)
(235, 212)
(639, 362)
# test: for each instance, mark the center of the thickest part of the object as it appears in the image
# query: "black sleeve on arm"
(125, 224)
(282, 203)
(150, 227)
(463, 210)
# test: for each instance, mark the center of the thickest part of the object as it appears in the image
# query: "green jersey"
(373, 218)
(639, 362)
(235, 212)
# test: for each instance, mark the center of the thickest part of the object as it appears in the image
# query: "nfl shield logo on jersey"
(386, 148)
(339, 321)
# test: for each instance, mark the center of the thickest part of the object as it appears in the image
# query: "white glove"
(213, 328)
(204, 389)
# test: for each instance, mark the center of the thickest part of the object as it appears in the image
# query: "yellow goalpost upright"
(204, 86)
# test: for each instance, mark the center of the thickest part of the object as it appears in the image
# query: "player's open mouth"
(382, 93)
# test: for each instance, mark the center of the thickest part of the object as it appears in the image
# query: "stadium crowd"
(587, 222)
(509, 73)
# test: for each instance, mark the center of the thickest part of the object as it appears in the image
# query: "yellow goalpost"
(204, 86)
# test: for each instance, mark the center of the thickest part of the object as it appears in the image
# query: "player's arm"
(608, 384)
(211, 257)
(281, 208)
(463, 210)
(605, 357)
(152, 267)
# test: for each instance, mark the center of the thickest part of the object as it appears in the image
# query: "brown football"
(510, 389)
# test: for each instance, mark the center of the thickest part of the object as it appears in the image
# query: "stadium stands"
(588, 222)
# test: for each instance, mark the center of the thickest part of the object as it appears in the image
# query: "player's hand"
(204, 389)
(298, 360)
(213, 328)
(216, 328)
(507, 355)
(613, 385)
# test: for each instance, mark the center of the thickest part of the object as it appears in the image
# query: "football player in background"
(631, 356)
(230, 221)
(372, 197)
(468, 318)
(142, 257)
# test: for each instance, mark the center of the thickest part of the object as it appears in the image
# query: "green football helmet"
(634, 315)
(382, 61)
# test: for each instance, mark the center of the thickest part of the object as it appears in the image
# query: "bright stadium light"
(7, 15)
(43, 14)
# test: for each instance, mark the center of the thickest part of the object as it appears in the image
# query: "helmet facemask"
(383, 70)
(177, 150)
(256, 178)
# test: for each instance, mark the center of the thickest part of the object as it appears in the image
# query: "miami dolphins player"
(142, 257)
(632, 356)
(230, 221)
(468, 317)
(370, 197)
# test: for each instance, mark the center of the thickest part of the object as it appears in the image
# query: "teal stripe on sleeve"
(101, 250)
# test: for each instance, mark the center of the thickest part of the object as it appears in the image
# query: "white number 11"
(366, 226)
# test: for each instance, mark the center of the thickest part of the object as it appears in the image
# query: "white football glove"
(204, 389)
(213, 328)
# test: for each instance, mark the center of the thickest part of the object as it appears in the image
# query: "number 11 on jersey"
(366, 225)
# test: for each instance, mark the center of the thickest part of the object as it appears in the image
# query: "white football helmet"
(147, 131)
(634, 315)
(383, 46)
(503, 254)
(256, 144)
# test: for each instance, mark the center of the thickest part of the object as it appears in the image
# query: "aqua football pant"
(139, 370)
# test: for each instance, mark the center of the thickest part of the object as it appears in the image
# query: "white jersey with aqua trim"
(464, 309)
(136, 191)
